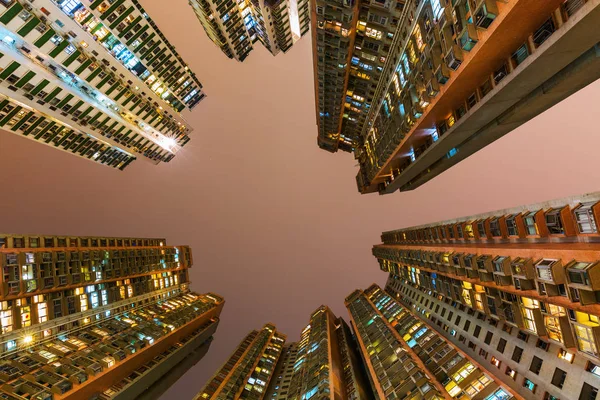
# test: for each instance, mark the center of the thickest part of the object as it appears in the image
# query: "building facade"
(413, 87)
(98, 317)
(248, 371)
(324, 364)
(351, 43)
(515, 290)
(235, 26)
(412, 359)
(98, 80)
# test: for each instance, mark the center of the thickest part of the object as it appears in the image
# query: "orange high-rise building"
(518, 290)
(414, 87)
(98, 317)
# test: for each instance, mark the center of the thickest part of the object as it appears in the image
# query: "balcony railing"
(571, 6)
(543, 32)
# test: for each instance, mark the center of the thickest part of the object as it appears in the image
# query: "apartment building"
(351, 43)
(514, 289)
(98, 317)
(413, 87)
(323, 364)
(235, 26)
(407, 359)
(248, 371)
(279, 386)
(98, 80)
(326, 361)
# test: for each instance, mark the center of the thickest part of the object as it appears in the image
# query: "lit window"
(56, 39)
(529, 385)
(373, 33)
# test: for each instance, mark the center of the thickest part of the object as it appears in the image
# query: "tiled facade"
(413, 87)
(97, 317)
(515, 289)
(235, 26)
(98, 80)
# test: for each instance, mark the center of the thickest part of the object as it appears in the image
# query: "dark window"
(495, 227)
(554, 222)
(542, 345)
(511, 226)
(488, 338)
(467, 325)
(588, 392)
(536, 365)
(517, 354)
(543, 32)
(477, 331)
(501, 345)
(481, 229)
(558, 379)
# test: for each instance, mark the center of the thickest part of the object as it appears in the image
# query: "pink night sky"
(276, 225)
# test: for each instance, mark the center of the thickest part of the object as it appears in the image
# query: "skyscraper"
(415, 87)
(516, 290)
(97, 80)
(351, 43)
(98, 317)
(409, 360)
(325, 362)
(235, 26)
(249, 370)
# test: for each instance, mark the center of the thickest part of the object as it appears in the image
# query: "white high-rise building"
(97, 79)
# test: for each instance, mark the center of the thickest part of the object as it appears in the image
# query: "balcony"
(457, 264)
(28, 390)
(454, 58)
(550, 274)
(570, 7)
(584, 281)
(468, 38)
(442, 74)
(585, 217)
(523, 273)
(485, 13)
(502, 266)
(543, 32)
